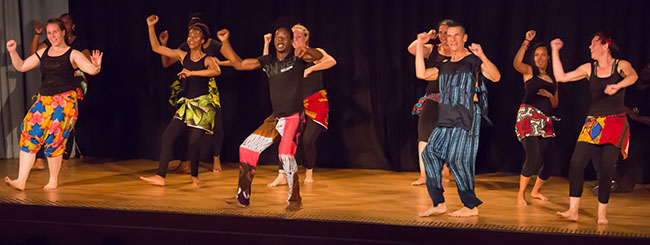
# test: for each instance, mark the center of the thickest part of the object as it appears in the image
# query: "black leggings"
(604, 158)
(535, 148)
(174, 129)
(308, 144)
(218, 132)
(428, 119)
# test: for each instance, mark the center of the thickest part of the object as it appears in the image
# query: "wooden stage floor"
(347, 195)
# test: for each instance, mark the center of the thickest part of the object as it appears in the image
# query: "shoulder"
(264, 59)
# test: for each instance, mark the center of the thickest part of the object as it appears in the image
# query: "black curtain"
(371, 89)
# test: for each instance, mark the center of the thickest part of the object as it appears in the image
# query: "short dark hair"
(444, 22)
(607, 38)
(205, 31)
(67, 15)
(286, 28)
(453, 23)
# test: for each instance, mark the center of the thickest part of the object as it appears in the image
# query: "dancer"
(211, 47)
(78, 43)
(285, 70)
(51, 118)
(427, 106)
(463, 102)
(198, 102)
(605, 133)
(314, 100)
(534, 127)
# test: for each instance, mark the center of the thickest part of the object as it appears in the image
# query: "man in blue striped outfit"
(456, 136)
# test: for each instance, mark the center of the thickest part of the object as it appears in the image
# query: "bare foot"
(12, 183)
(65, 164)
(154, 180)
(280, 180)
(216, 165)
(309, 176)
(539, 196)
(233, 201)
(464, 212)
(603, 221)
(521, 201)
(50, 186)
(196, 181)
(568, 215)
(39, 164)
(440, 209)
(293, 206)
(420, 181)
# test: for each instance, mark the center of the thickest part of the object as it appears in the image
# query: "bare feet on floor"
(216, 165)
(568, 215)
(196, 181)
(14, 184)
(521, 201)
(233, 201)
(51, 186)
(39, 164)
(603, 221)
(420, 181)
(154, 180)
(464, 212)
(440, 209)
(539, 196)
(280, 180)
(309, 176)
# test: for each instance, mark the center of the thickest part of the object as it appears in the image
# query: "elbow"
(496, 78)
(420, 75)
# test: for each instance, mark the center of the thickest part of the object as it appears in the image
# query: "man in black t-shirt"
(284, 70)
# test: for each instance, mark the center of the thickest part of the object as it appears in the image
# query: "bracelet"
(526, 40)
(36, 33)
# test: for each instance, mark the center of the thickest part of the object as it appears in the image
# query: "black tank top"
(57, 74)
(194, 86)
(312, 83)
(531, 87)
(434, 60)
(603, 104)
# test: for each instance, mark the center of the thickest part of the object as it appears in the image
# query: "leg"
(194, 151)
(249, 153)
(544, 171)
(174, 129)
(25, 165)
(290, 128)
(310, 137)
(608, 157)
(461, 162)
(432, 158)
(218, 140)
(531, 148)
(69, 147)
(54, 164)
(426, 124)
(581, 156)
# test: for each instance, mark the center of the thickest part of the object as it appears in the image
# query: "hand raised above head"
(433, 34)
(38, 27)
(152, 19)
(11, 45)
(164, 37)
(267, 37)
(223, 35)
(530, 35)
(423, 38)
(557, 44)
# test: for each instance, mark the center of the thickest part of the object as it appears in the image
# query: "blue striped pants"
(457, 147)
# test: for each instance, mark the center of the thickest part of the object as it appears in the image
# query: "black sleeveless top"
(194, 86)
(603, 104)
(531, 87)
(312, 83)
(434, 60)
(57, 74)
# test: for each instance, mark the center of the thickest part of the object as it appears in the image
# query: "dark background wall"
(371, 89)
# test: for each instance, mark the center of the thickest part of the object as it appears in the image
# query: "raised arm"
(308, 54)
(421, 71)
(518, 62)
(428, 48)
(229, 53)
(22, 65)
(35, 45)
(322, 64)
(92, 66)
(629, 78)
(165, 60)
(582, 72)
(155, 45)
(267, 42)
(488, 69)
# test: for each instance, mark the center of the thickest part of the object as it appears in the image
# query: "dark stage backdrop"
(371, 89)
